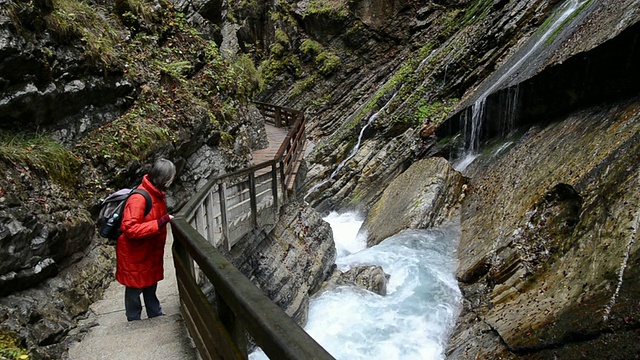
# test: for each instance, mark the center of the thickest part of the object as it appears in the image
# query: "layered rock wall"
(548, 254)
(289, 263)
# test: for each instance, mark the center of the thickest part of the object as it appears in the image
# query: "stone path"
(112, 337)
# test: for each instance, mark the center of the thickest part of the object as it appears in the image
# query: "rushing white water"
(414, 319)
(345, 233)
(464, 162)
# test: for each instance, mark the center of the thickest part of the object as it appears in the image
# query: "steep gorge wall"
(548, 254)
(548, 251)
(88, 98)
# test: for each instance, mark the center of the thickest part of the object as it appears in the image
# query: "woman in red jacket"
(140, 247)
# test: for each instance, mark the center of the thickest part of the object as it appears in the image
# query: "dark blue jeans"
(133, 306)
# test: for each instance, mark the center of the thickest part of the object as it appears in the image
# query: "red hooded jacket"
(140, 247)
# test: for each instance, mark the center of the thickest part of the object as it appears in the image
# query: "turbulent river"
(414, 319)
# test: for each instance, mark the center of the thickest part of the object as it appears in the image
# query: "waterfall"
(478, 107)
(355, 149)
(624, 263)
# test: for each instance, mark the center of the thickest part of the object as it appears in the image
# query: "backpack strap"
(147, 197)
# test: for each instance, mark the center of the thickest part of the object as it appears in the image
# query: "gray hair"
(162, 173)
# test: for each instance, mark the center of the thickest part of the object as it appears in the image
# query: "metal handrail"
(240, 307)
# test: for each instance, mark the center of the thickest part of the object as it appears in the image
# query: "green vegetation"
(74, 19)
(311, 47)
(303, 85)
(329, 62)
(172, 65)
(434, 113)
(136, 14)
(339, 8)
(40, 153)
(326, 61)
(251, 82)
(477, 12)
(130, 136)
(10, 349)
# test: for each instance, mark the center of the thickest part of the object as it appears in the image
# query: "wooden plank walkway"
(276, 137)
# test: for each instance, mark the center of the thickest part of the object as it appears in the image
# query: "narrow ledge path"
(112, 337)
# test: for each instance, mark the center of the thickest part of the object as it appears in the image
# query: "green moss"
(357, 29)
(251, 80)
(226, 138)
(73, 19)
(477, 12)
(329, 62)
(136, 14)
(311, 47)
(282, 37)
(303, 85)
(434, 112)
(176, 70)
(338, 8)
(10, 348)
(277, 50)
(40, 153)
(320, 101)
(130, 137)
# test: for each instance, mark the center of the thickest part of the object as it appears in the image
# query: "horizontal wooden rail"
(271, 328)
(219, 215)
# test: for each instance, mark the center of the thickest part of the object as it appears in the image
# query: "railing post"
(283, 182)
(223, 213)
(253, 199)
(183, 254)
(274, 188)
(210, 219)
(233, 326)
(278, 118)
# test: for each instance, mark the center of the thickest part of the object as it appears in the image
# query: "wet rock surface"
(548, 252)
(371, 278)
(422, 197)
(554, 273)
(289, 263)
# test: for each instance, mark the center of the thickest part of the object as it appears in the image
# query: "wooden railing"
(292, 149)
(230, 206)
(220, 214)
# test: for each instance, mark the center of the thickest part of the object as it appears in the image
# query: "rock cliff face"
(552, 275)
(89, 95)
(548, 251)
(290, 262)
(423, 197)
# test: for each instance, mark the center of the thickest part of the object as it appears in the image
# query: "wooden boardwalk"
(111, 337)
(276, 137)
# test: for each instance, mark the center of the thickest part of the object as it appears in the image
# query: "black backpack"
(111, 209)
